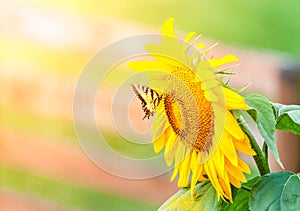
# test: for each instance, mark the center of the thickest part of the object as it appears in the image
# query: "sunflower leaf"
(261, 111)
(287, 117)
(276, 191)
(205, 198)
(241, 200)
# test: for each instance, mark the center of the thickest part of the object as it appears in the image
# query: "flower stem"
(265, 150)
(259, 158)
(246, 188)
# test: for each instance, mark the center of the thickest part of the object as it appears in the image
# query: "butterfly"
(149, 98)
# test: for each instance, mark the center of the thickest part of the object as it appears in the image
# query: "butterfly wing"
(149, 98)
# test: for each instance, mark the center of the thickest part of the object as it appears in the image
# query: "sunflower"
(193, 122)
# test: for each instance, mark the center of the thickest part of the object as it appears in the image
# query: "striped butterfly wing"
(149, 98)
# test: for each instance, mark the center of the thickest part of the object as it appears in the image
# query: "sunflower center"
(189, 113)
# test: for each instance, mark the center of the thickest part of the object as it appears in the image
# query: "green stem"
(245, 188)
(265, 151)
(259, 158)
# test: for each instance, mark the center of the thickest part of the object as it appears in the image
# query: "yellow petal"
(159, 143)
(170, 51)
(197, 170)
(218, 159)
(224, 182)
(168, 28)
(185, 171)
(174, 174)
(200, 45)
(208, 84)
(170, 149)
(149, 65)
(243, 166)
(234, 100)
(233, 128)
(211, 173)
(224, 60)
(244, 147)
(211, 96)
(168, 132)
(189, 36)
(194, 161)
(201, 170)
(228, 149)
(234, 171)
(180, 152)
(158, 126)
(236, 183)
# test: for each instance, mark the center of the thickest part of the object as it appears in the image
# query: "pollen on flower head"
(195, 128)
(198, 132)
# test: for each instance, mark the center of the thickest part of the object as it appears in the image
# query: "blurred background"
(46, 44)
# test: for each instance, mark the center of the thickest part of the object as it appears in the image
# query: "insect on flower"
(149, 98)
(192, 108)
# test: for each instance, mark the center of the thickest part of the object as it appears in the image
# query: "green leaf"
(287, 117)
(276, 191)
(205, 198)
(261, 110)
(241, 200)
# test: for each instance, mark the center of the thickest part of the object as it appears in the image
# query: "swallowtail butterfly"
(149, 98)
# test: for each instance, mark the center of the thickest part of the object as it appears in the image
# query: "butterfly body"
(149, 98)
